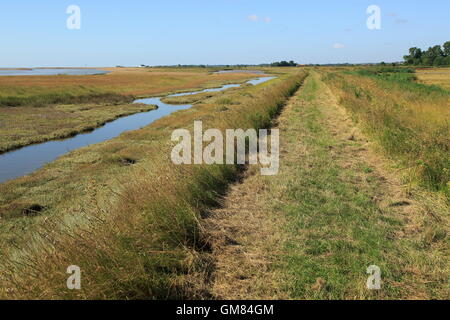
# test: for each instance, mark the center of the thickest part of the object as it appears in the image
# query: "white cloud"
(338, 46)
(253, 17)
(267, 20)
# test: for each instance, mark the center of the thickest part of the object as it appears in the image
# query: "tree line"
(223, 66)
(284, 64)
(434, 56)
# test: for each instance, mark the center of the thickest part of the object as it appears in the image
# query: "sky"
(34, 33)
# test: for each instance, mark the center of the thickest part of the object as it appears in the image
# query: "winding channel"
(17, 163)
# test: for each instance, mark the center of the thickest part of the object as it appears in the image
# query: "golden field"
(62, 106)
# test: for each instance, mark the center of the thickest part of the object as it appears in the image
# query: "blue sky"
(34, 33)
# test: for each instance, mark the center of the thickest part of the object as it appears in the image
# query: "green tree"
(437, 51)
(434, 56)
(417, 56)
(440, 61)
(447, 48)
(431, 54)
(284, 64)
(414, 57)
(408, 60)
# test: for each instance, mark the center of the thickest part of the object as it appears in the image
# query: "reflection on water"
(50, 72)
(23, 161)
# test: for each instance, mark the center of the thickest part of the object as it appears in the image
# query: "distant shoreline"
(51, 71)
(40, 68)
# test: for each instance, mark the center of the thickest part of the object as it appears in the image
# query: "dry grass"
(22, 126)
(246, 240)
(415, 221)
(191, 99)
(137, 228)
(133, 229)
(409, 120)
(336, 207)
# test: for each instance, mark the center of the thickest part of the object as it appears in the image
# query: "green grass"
(404, 78)
(334, 230)
(342, 234)
(408, 119)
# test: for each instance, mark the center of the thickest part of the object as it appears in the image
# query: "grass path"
(336, 208)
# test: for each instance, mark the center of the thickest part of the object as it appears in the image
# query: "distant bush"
(380, 70)
(403, 77)
(434, 56)
(284, 64)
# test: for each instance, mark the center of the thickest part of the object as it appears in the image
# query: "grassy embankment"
(311, 231)
(39, 108)
(342, 216)
(408, 119)
(123, 212)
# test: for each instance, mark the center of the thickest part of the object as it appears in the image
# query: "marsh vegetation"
(363, 179)
(41, 108)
